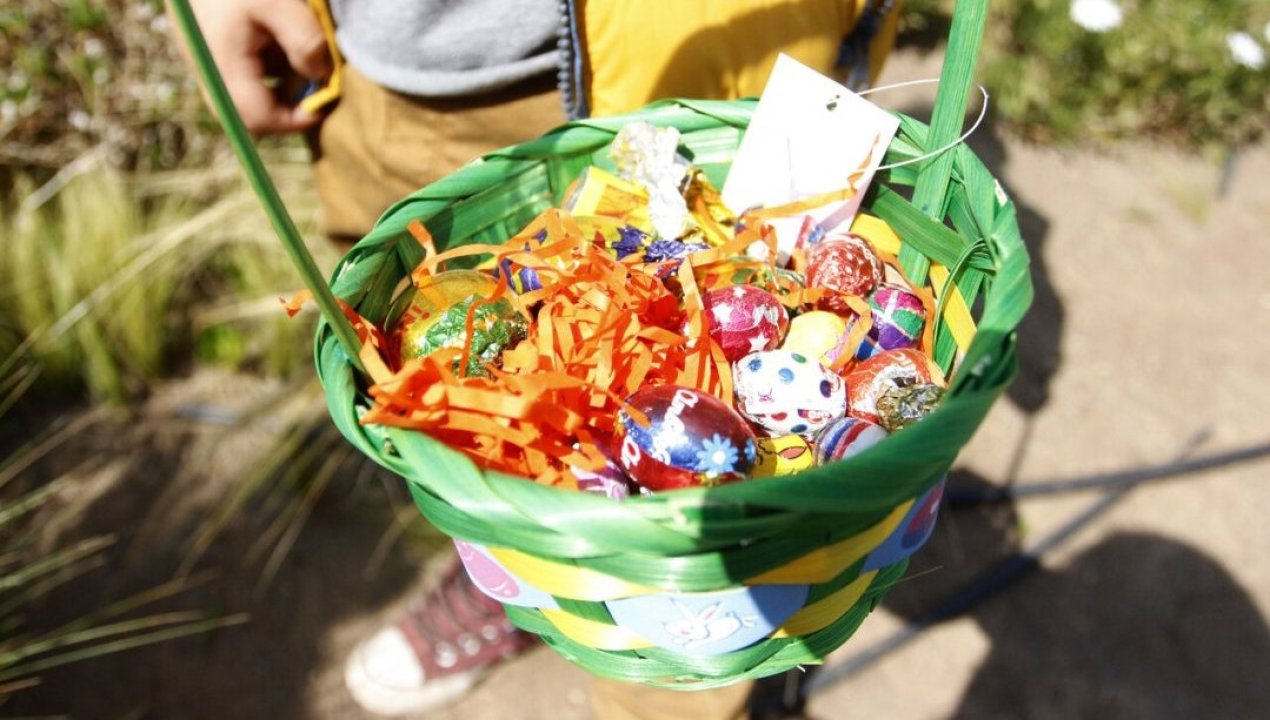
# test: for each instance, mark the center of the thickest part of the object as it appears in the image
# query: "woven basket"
(700, 587)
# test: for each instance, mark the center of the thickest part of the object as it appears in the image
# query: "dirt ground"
(1145, 347)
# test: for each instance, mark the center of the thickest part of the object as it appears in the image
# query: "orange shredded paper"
(600, 329)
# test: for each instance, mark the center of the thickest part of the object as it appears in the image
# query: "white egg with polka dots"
(785, 393)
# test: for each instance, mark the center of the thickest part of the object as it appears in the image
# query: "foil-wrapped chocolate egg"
(845, 437)
(889, 369)
(786, 393)
(743, 319)
(440, 303)
(901, 406)
(784, 455)
(898, 317)
(817, 334)
(437, 292)
(845, 263)
(496, 326)
(608, 481)
(691, 439)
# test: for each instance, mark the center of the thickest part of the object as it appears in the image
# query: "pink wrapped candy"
(744, 319)
(608, 481)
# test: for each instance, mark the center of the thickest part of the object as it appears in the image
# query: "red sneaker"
(436, 651)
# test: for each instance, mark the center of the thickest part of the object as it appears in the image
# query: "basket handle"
(964, 39)
(240, 140)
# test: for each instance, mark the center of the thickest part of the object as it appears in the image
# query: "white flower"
(1096, 15)
(1245, 50)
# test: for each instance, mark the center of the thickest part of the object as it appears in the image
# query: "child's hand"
(254, 42)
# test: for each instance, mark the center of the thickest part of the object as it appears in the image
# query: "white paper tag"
(809, 135)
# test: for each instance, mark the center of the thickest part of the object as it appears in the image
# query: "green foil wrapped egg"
(437, 318)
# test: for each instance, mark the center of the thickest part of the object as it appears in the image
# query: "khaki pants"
(375, 148)
(613, 700)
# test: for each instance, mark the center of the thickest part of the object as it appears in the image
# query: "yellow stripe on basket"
(826, 563)
(593, 634)
(568, 581)
(823, 612)
(956, 312)
(818, 566)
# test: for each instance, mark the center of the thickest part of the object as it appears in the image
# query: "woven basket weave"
(782, 569)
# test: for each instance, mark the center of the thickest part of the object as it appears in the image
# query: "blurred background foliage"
(1191, 73)
(133, 247)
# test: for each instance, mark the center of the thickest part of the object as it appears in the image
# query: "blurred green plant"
(1187, 72)
(109, 281)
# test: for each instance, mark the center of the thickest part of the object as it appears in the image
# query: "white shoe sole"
(391, 701)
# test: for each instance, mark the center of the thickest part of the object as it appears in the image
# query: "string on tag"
(983, 113)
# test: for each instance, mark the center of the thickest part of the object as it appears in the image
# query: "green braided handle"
(241, 142)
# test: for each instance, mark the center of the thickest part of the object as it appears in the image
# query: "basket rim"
(681, 522)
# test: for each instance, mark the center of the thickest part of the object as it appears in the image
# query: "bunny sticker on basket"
(712, 624)
(492, 578)
(709, 623)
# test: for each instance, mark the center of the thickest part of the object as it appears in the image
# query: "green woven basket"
(580, 554)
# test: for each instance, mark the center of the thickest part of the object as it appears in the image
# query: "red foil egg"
(845, 263)
(691, 439)
(890, 369)
(743, 319)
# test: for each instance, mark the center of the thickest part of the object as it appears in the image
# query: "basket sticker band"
(826, 563)
(712, 623)
(571, 581)
(813, 618)
(568, 581)
(912, 532)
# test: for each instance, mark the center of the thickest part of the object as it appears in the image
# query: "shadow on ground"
(1137, 626)
(258, 670)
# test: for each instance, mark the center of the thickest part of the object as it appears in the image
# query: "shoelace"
(455, 620)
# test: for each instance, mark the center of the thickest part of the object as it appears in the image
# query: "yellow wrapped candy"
(817, 334)
(783, 455)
